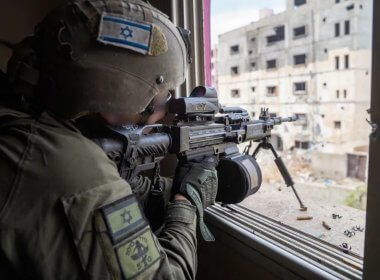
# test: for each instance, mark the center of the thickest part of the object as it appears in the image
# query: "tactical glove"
(198, 181)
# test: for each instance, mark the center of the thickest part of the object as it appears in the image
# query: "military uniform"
(67, 214)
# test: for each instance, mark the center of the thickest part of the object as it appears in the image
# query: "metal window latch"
(374, 127)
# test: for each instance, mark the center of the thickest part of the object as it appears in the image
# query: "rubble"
(326, 226)
(304, 218)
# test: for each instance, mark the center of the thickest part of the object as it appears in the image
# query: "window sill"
(296, 252)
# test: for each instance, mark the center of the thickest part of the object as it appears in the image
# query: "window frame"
(265, 252)
(235, 93)
(337, 30)
(275, 64)
(299, 36)
(300, 64)
(234, 52)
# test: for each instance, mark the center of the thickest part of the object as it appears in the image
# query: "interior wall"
(18, 19)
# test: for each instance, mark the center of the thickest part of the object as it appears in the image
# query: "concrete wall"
(336, 163)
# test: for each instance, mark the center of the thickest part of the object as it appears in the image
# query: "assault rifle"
(201, 128)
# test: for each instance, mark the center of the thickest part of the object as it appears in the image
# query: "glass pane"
(311, 59)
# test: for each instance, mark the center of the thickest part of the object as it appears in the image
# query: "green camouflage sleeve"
(178, 239)
(178, 235)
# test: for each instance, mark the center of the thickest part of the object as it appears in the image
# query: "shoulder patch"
(138, 254)
(142, 37)
(123, 218)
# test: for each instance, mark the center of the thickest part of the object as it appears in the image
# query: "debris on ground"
(349, 233)
(304, 218)
(336, 216)
(346, 247)
(358, 228)
(326, 226)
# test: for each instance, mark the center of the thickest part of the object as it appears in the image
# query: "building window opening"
(278, 36)
(298, 3)
(300, 88)
(337, 63)
(272, 64)
(272, 91)
(234, 49)
(253, 65)
(253, 89)
(300, 59)
(273, 115)
(304, 145)
(338, 94)
(347, 27)
(345, 94)
(337, 29)
(350, 7)
(299, 32)
(346, 61)
(235, 93)
(337, 124)
(234, 70)
(301, 120)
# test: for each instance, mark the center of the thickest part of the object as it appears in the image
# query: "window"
(347, 27)
(337, 29)
(299, 32)
(345, 94)
(301, 120)
(337, 94)
(300, 59)
(212, 65)
(235, 93)
(271, 64)
(278, 36)
(253, 39)
(235, 70)
(273, 115)
(302, 144)
(299, 88)
(337, 63)
(298, 3)
(337, 124)
(234, 49)
(346, 61)
(337, 1)
(253, 114)
(253, 65)
(271, 91)
(350, 7)
(253, 89)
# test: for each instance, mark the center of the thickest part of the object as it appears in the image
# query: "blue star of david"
(127, 217)
(126, 32)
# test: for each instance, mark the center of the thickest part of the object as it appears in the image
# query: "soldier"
(65, 213)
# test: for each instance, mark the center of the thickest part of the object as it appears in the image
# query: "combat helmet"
(108, 56)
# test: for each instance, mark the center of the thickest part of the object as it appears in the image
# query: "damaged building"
(312, 60)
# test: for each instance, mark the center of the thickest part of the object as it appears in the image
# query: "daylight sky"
(230, 14)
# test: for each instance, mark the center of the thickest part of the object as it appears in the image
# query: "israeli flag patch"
(125, 33)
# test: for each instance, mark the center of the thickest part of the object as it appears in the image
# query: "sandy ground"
(279, 203)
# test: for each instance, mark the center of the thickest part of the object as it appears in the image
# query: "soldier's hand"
(199, 175)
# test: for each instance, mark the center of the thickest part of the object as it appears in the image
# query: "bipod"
(282, 168)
